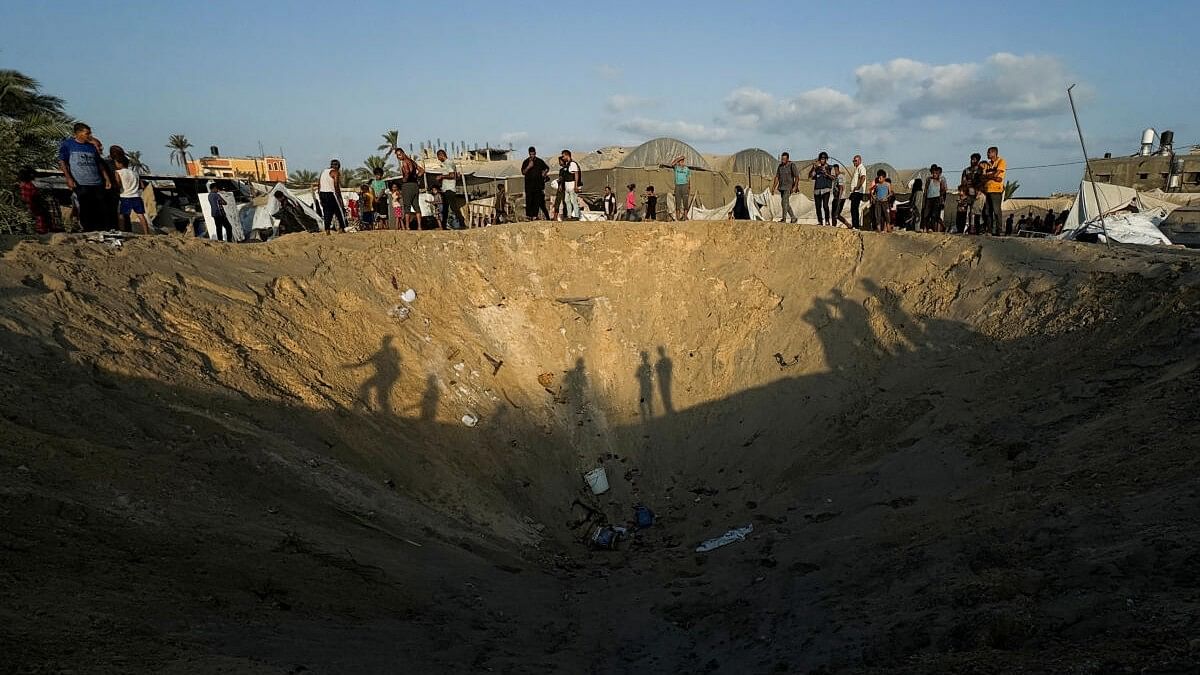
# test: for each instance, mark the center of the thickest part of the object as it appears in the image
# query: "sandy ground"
(959, 455)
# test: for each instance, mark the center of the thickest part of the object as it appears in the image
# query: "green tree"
(375, 162)
(391, 140)
(32, 124)
(352, 178)
(1011, 187)
(136, 163)
(179, 145)
(302, 178)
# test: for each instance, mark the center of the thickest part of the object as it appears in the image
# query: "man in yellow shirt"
(993, 187)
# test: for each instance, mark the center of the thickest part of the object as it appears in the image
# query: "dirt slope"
(958, 455)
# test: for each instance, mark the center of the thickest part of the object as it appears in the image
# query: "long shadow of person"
(429, 400)
(843, 327)
(386, 363)
(575, 387)
(645, 378)
(663, 368)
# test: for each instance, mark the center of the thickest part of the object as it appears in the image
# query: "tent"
(755, 161)
(663, 151)
(1115, 203)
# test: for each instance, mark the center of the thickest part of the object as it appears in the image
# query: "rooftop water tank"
(1166, 142)
(1147, 142)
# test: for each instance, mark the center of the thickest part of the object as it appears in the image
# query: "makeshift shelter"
(662, 151)
(1118, 205)
(754, 161)
(264, 214)
(233, 212)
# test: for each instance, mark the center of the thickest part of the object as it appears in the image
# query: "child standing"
(651, 203)
(131, 193)
(33, 201)
(881, 196)
(398, 206)
(631, 213)
(366, 206)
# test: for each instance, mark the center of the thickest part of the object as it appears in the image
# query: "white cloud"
(608, 72)
(514, 136)
(1032, 132)
(687, 131)
(907, 93)
(619, 103)
(932, 123)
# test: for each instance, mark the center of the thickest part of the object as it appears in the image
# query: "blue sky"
(928, 82)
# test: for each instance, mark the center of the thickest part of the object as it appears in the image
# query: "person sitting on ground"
(217, 204)
(610, 204)
(740, 210)
(651, 203)
(881, 196)
(131, 203)
(631, 213)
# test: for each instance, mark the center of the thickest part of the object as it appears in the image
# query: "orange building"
(268, 169)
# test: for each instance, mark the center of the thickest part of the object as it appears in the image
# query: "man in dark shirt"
(86, 176)
(968, 194)
(216, 204)
(535, 171)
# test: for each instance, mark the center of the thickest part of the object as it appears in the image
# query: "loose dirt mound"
(958, 455)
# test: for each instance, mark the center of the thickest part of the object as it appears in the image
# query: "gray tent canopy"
(663, 151)
(755, 160)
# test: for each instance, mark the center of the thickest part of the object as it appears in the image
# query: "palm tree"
(32, 124)
(375, 162)
(20, 97)
(179, 144)
(391, 140)
(1010, 188)
(352, 178)
(136, 163)
(302, 178)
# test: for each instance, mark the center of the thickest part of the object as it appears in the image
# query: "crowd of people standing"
(106, 191)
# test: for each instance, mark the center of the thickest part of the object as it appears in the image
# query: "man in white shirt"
(450, 178)
(572, 185)
(858, 188)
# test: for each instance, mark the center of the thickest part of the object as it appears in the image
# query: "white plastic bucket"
(597, 479)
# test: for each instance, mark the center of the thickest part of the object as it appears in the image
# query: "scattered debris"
(785, 364)
(643, 516)
(729, 537)
(605, 536)
(597, 479)
(496, 363)
(399, 312)
(395, 284)
(112, 237)
(409, 296)
(574, 301)
(470, 419)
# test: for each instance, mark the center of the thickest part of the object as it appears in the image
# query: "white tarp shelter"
(1117, 204)
(264, 216)
(232, 212)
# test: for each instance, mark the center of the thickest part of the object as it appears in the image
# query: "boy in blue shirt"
(86, 176)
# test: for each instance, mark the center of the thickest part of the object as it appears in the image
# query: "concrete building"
(267, 169)
(1148, 173)
(1162, 169)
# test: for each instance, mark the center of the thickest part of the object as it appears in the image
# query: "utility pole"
(1087, 163)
